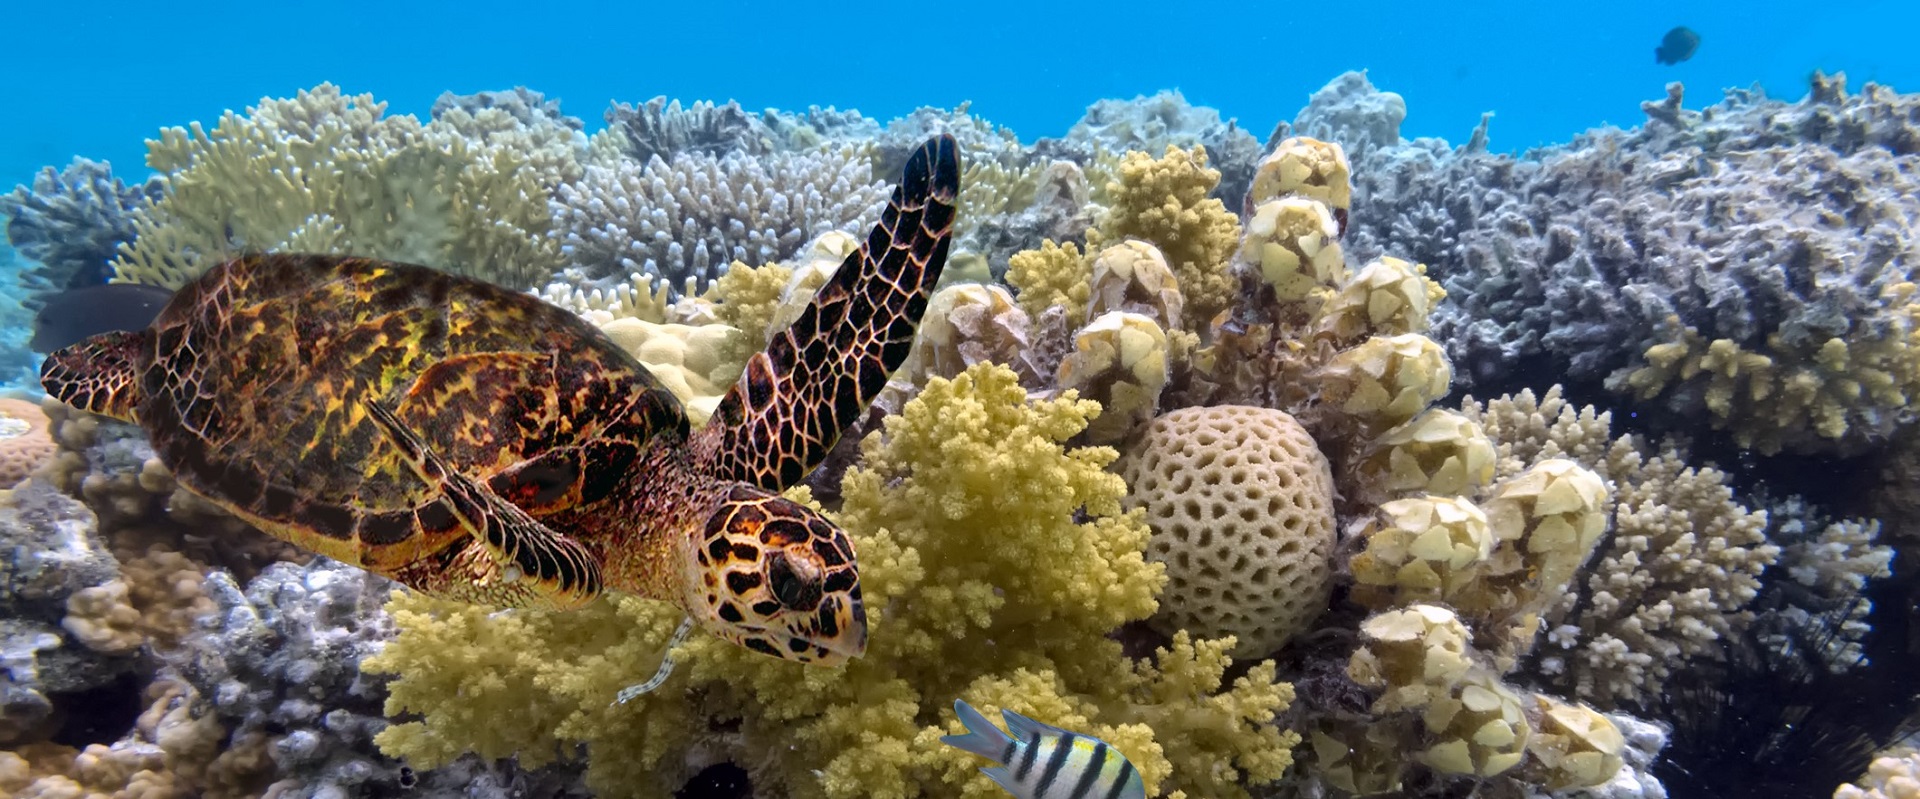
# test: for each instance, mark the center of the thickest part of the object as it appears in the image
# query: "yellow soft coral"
(1164, 201)
(988, 551)
(1053, 275)
(1840, 394)
(749, 296)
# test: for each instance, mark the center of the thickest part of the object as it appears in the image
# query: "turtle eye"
(795, 582)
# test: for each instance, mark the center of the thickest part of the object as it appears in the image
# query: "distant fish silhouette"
(1678, 46)
(75, 314)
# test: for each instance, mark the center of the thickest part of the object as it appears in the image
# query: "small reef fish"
(1040, 761)
(1677, 46)
(77, 314)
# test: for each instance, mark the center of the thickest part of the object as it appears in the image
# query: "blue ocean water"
(96, 79)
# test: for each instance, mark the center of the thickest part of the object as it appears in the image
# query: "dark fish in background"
(69, 316)
(1678, 46)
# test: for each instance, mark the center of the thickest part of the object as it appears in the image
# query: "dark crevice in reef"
(100, 715)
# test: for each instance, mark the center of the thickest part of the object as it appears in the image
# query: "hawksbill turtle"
(478, 444)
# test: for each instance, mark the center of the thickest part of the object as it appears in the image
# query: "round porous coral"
(1240, 500)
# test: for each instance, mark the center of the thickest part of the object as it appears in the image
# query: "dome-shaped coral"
(1240, 500)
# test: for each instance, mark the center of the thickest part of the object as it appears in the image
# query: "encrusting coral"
(25, 444)
(995, 561)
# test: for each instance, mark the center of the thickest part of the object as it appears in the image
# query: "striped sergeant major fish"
(1040, 761)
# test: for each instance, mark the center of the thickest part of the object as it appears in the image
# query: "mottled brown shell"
(497, 378)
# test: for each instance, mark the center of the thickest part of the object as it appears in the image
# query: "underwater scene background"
(1236, 401)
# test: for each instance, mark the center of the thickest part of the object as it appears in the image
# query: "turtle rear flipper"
(101, 374)
(790, 405)
(560, 573)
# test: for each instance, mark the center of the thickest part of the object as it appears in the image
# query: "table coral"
(995, 561)
(328, 172)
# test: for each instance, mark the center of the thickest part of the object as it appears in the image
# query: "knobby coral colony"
(1171, 463)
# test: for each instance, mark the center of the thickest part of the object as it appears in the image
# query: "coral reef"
(1150, 125)
(1749, 265)
(25, 444)
(56, 554)
(72, 222)
(1174, 461)
(995, 561)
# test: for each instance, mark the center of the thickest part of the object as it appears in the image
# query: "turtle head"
(776, 577)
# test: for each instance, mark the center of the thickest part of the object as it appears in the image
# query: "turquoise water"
(99, 81)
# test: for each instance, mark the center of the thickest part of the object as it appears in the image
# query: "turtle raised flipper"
(790, 405)
(99, 375)
(561, 573)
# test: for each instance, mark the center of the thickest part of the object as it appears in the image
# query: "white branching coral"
(694, 215)
(1675, 576)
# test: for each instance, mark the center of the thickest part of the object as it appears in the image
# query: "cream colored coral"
(1294, 245)
(695, 362)
(1387, 380)
(103, 619)
(1133, 276)
(812, 267)
(1421, 549)
(1240, 500)
(1120, 361)
(1481, 728)
(1361, 758)
(1388, 297)
(1439, 452)
(1547, 520)
(1573, 746)
(1301, 166)
(1414, 656)
(967, 324)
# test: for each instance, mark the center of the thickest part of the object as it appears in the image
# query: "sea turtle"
(478, 444)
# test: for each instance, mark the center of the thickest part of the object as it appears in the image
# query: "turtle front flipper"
(101, 374)
(555, 572)
(789, 407)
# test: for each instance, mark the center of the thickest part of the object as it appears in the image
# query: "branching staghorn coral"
(325, 172)
(73, 221)
(1676, 573)
(688, 218)
(994, 562)
(1751, 265)
(667, 130)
